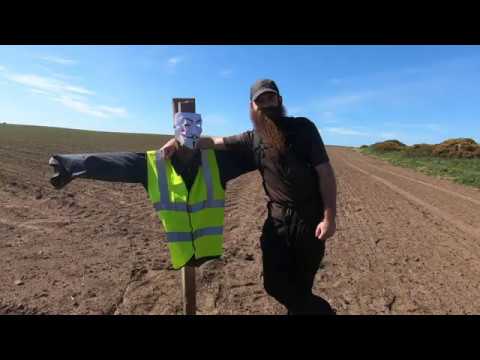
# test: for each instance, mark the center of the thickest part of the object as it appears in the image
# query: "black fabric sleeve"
(241, 143)
(232, 164)
(314, 147)
(126, 167)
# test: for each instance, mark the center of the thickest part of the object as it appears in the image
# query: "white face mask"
(188, 128)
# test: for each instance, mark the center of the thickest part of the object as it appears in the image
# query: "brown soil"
(406, 244)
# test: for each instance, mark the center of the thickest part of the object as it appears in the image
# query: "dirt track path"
(406, 243)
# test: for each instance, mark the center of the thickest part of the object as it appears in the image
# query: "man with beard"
(300, 184)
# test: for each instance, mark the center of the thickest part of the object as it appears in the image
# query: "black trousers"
(291, 258)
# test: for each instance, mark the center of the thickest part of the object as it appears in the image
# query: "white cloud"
(40, 92)
(174, 61)
(3, 68)
(419, 125)
(388, 135)
(53, 74)
(47, 84)
(226, 73)
(328, 117)
(172, 64)
(295, 111)
(71, 96)
(84, 107)
(336, 81)
(116, 111)
(345, 100)
(58, 60)
(346, 131)
(62, 77)
(80, 106)
(78, 90)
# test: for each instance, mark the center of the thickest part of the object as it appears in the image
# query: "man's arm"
(233, 164)
(318, 158)
(328, 190)
(116, 167)
(215, 143)
(240, 143)
(204, 143)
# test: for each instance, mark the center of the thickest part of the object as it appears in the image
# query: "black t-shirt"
(290, 180)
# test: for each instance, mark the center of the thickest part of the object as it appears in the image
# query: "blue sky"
(354, 94)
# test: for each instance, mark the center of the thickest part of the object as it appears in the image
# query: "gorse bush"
(457, 148)
(461, 148)
(389, 145)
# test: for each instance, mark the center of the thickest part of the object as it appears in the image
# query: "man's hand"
(325, 229)
(204, 143)
(169, 148)
(328, 190)
(61, 177)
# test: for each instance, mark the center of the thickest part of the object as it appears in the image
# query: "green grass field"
(463, 171)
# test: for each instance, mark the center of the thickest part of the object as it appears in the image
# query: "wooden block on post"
(183, 105)
(188, 272)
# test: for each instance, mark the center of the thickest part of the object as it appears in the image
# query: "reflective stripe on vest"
(192, 218)
(191, 208)
(165, 204)
(187, 236)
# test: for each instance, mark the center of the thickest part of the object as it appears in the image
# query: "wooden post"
(188, 272)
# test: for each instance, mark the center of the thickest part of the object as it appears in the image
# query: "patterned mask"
(188, 128)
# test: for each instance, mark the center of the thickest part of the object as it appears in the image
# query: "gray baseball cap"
(262, 86)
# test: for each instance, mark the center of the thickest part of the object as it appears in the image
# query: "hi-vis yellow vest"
(193, 221)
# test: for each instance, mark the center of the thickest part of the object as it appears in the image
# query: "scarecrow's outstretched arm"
(127, 167)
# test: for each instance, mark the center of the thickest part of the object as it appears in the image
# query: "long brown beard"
(268, 130)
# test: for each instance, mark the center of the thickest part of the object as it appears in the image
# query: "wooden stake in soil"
(187, 272)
